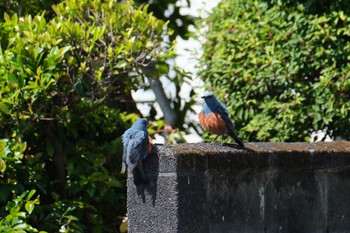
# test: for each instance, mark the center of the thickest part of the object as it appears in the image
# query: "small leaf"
(63, 50)
(6, 17)
(30, 194)
(13, 78)
(4, 108)
(29, 206)
(20, 226)
(121, 64)
(2, 166)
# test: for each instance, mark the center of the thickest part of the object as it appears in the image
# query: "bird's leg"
(222, 139)
(215, 139)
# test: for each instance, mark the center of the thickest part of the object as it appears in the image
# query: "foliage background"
(282, 67)
(66, 76)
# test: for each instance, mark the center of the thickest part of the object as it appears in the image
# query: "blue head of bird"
(211, 100)
(140, 124)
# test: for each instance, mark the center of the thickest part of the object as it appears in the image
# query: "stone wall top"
(257, 155)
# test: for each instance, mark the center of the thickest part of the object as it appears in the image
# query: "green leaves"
(16, 218)
(65, 80)
(56, 55)
(284, 70)
(110, 30)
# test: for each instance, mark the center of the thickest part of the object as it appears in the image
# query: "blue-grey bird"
(214, 118)
(136, 146)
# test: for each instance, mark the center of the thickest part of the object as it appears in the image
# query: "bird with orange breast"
(214, 118)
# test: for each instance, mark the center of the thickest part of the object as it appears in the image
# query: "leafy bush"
(16, 219)
(64, 96)
(23, 8)
(282, 71)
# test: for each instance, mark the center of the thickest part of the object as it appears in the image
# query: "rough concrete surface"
(263, 188)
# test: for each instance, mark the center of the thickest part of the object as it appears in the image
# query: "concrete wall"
(268, 187)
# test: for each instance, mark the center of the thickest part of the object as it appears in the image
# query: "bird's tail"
(139, 175)
(235, 137)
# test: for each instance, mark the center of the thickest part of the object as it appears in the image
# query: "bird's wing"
(125, 141)
(126, 136)
(222, 111)
(137, 146)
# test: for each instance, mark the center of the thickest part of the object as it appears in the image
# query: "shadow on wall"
(151, 168)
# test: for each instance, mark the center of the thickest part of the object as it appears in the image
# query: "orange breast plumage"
(213, 123)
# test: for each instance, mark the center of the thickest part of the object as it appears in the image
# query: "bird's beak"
(149, 123)
(203, 97)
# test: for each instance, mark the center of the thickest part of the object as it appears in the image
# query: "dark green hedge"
(282, 68)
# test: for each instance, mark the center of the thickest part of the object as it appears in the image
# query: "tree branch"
(58, 158)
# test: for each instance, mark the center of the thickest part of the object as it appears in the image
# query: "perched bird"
(137, 144)
(214, 118)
